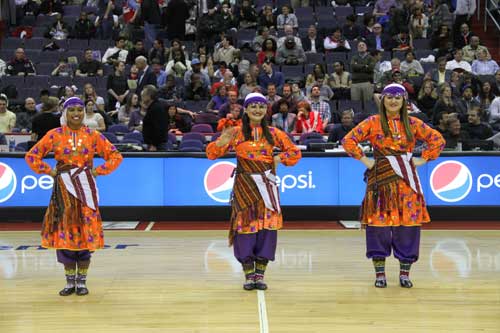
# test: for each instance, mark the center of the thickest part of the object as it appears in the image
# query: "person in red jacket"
(308, 120)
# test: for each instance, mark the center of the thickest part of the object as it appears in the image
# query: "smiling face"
(393, 104)
(256, 112)
(74, 116)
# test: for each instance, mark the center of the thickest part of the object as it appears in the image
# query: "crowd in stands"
(320, 65)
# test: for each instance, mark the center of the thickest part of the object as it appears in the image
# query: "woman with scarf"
(72, 223)
(394, 207)
(256, 213)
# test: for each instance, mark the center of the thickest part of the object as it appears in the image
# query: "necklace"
(396, 135)
(256, 137)
(74, 141)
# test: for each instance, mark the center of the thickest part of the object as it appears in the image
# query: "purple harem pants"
(67, 257)
(248, 247)
(405, 241)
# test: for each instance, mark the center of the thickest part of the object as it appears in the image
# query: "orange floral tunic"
(262, 151)
(411, 209)
(61, 141)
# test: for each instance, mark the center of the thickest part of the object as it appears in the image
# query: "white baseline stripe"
(150, 226)
(264, 325)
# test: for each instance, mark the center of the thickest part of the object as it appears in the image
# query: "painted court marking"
(264, 325)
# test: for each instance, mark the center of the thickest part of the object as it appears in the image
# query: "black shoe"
(249, 285)
(381, 283)
(405, 283)
(67, 291)
(260, 285)
(82, 291)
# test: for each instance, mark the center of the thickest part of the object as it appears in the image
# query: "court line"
(150, 226)
(264, 325)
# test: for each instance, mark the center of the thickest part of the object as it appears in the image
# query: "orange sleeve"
(110, 154)
(290, 154)
(358, 134)
(35, 156)
(213, 152)
(434, 140)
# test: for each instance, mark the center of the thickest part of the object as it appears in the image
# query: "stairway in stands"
(490, 38)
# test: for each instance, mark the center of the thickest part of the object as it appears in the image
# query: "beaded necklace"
(74, 141)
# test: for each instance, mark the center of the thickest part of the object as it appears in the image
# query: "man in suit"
(378, 40)
(146, 76)
(284, 120)
(154, 124)
(312, 43)
(441, 74)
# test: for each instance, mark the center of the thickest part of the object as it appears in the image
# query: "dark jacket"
(338, 132)
(155, 124)
(147, 78)
(387, 42)
(362, 68)
(150, 12)
(177, 13)
(306, 44)
(435, 75)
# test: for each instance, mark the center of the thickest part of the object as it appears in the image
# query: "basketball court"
(154, 280)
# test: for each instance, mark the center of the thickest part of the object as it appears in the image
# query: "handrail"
(489, 12)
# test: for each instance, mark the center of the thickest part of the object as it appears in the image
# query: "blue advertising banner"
(314, 181)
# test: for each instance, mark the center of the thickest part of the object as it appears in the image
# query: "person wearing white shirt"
(7, 118)
(336, 42)
(116, 53)
(457, 62)
(494, 118)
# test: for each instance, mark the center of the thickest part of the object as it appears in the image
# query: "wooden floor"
(188, 281)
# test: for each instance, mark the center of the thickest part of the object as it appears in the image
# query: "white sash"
(268, 190)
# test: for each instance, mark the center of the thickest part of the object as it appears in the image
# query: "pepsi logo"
(451, 181)
(8, 182)
(218, 181)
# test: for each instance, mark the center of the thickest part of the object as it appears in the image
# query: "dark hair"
(322, 67)
(341, 63)
(273, 48)
(247, 130)
(3, 98)
(118, 64)
(128, 102)
(44, 92)
(410, 52)
(160, 41)
(316, 86)
(283, 101)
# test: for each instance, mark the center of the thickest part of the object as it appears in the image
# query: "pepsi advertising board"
(197, 181)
